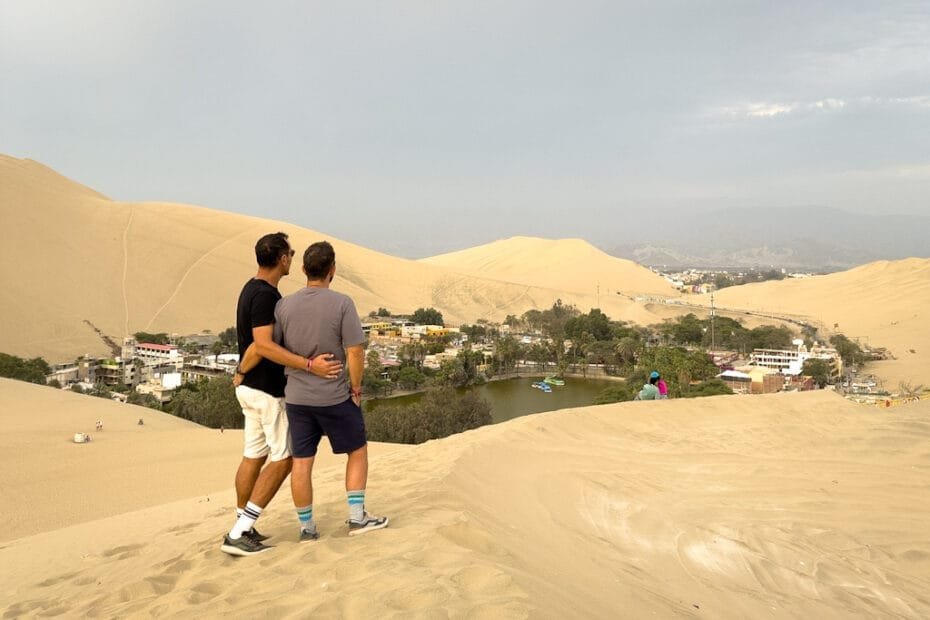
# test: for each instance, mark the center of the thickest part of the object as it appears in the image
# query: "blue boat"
(539, 385)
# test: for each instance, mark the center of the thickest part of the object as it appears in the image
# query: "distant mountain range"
(808, 238)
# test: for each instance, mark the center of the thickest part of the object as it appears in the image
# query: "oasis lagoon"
(512, 398)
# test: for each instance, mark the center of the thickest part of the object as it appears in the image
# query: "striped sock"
(305, 516)
(356, 504)
(244, 523)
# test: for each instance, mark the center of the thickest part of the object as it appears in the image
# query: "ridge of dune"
(567, 264)
(123, 267)
(673, 508)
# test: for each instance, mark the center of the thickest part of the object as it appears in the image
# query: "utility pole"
(713, 340)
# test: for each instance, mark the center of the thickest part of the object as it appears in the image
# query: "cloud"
(771, 109)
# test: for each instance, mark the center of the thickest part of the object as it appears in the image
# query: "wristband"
(309, 363)
(239, 370)
(357, 392)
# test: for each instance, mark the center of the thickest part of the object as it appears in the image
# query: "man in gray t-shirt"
(316, 318)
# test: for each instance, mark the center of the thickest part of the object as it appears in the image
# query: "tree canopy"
(427, 316)
(32, 370)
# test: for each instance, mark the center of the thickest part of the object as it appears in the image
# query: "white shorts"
(266, 431)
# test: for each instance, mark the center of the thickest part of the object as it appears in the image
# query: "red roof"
(158, 347)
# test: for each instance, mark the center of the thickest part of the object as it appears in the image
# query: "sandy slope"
(72, 260)
(802, 505)
(882, 304)
(565, 264)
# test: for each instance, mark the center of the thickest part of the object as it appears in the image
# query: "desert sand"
(782, 506)
(124, 267)
(565, 264)
(882, 304)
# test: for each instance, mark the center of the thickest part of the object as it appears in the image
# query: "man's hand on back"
(325, 366)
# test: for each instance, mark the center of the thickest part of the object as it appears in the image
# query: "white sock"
(246, 521)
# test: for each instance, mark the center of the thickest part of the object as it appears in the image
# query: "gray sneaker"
(243, 546)
(309, 534)
(367, 524)
(254, 535)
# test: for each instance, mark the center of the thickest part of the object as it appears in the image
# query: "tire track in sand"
(132, 213)
(190, 269)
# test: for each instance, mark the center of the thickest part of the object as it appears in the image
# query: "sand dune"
(565, 264)
(74, 262)
(802, 505)
(882, 304)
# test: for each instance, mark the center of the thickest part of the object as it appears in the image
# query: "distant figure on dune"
(660, 385)
(141, 423)
(311, 320)
(99, 426)
(259, 385)
(649, 391)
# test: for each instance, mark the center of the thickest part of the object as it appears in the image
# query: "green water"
(514, 397)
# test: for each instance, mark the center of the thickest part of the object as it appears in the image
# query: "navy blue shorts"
(342, 423)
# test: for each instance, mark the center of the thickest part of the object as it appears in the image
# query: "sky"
(417, 128)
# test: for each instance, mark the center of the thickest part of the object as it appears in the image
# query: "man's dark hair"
(270, 248)
(319, 259)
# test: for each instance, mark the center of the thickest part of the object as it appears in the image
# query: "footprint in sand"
(485, 580)
(123, 552)
(51, 581)
(203, 592)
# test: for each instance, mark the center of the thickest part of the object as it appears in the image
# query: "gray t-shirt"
(310, 322)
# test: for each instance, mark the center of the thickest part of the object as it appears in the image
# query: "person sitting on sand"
(661, 385)
(649, 391)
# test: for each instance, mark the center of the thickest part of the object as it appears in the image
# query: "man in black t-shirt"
(260, 392)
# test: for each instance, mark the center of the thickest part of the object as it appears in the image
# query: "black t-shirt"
(256, 309)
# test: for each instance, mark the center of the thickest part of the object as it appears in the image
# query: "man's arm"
(265, 347)
(355, 357)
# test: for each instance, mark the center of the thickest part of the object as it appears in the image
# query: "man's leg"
(356, 480)
(246, 476)
(357, 469)
(273, 426)
(302, 491)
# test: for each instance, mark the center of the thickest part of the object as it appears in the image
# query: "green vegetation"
(727, 333)
(373, 384)
(688, 374)
(461, 371)
(32, 371)
(143, 400)
(159, 338)
(850, 352)
(427, 316)
(208, 402)
(818, 370)
(440, 413)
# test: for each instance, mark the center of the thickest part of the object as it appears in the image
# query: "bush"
(439, 413)
(33, 371)
(143, 400)
(208, 402)
(616, 394)
(713, 387)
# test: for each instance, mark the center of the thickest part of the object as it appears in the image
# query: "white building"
(791, 361)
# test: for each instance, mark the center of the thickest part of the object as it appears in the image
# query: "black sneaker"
(308, 534)
(242, 546)
(367, 524)
(254, 535)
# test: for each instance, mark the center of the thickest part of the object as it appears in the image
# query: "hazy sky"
(420, 127)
